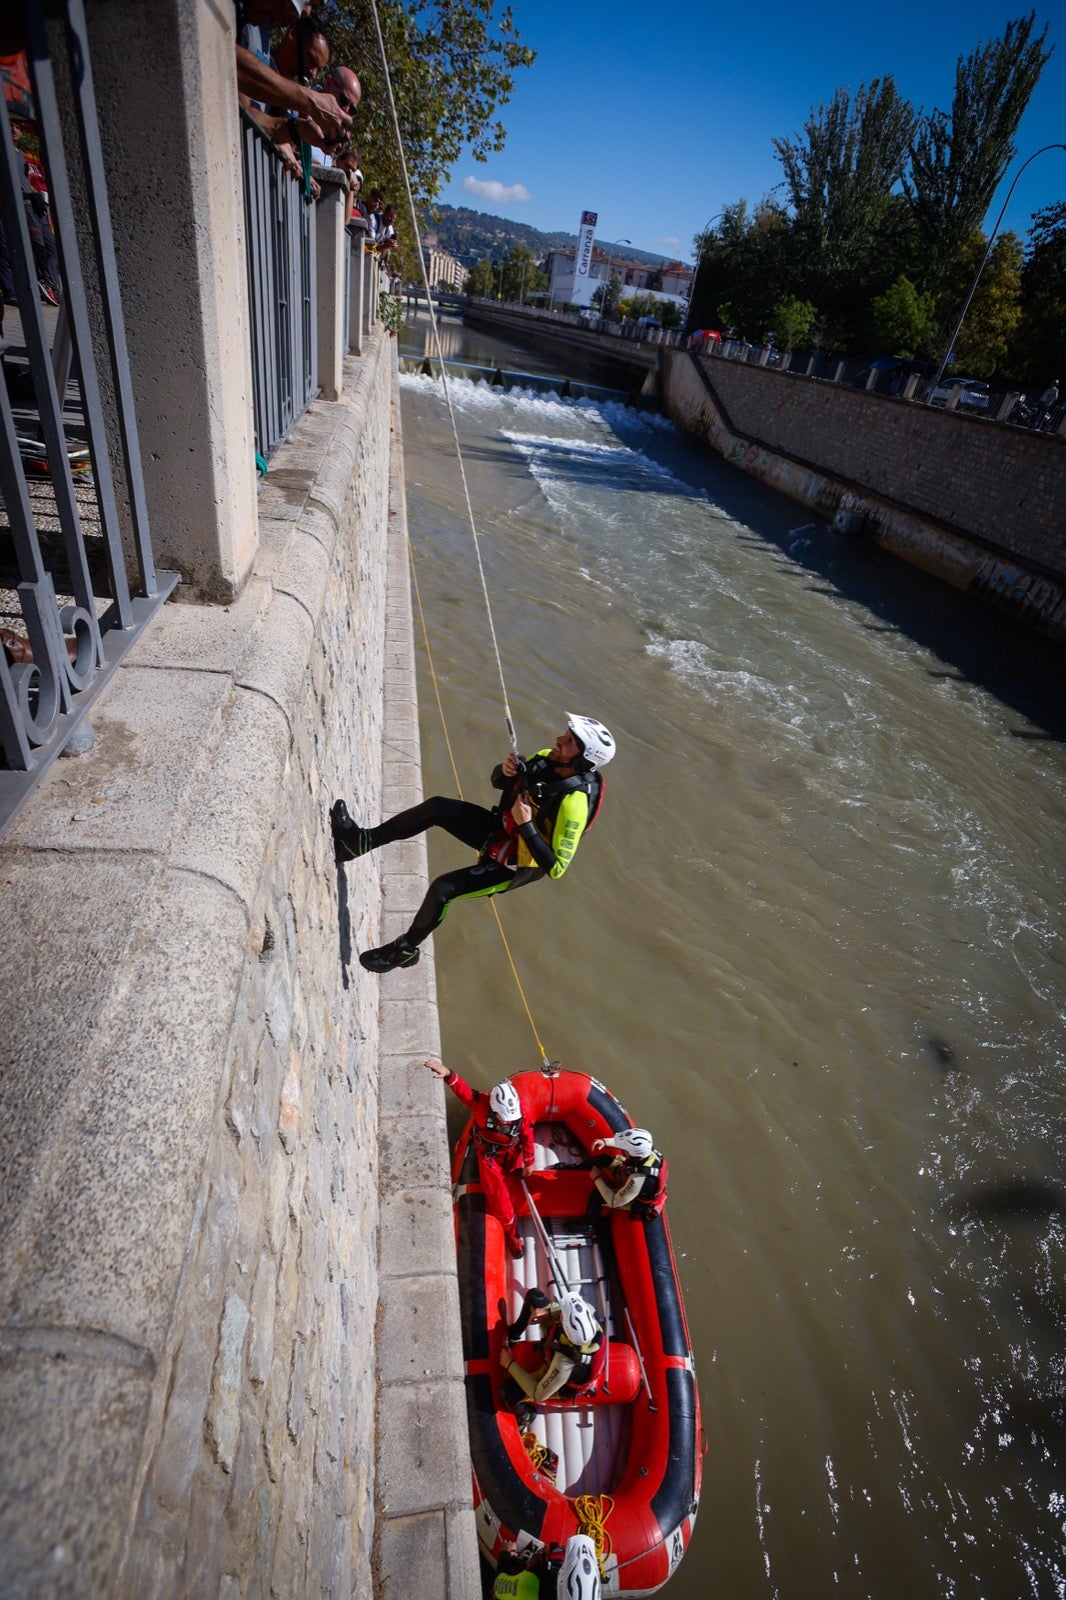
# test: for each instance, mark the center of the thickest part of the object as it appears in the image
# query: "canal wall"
(229, 1349)
(979, 505)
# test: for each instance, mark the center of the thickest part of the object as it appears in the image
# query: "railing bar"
(48, 128)
(103, 237)
(14, 219)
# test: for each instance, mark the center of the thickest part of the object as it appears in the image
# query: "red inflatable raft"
(624, 1466)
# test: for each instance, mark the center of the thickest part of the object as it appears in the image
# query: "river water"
(814, 943)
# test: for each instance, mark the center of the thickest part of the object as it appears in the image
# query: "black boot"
(349, 839)
(397, 954)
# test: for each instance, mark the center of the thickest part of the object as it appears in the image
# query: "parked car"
(975, 395)
(648, 322)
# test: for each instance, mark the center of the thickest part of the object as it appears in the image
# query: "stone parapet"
(189, 1142)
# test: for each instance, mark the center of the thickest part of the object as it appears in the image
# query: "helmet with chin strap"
(579, 1576)
(505, 1102)
(597, 743)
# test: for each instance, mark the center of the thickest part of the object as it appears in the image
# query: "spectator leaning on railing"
(319, 118)
(346, 89)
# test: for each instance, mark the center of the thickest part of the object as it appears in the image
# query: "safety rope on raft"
(592, 1511)
(511, 734)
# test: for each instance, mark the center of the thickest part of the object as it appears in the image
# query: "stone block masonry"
(190, 1148)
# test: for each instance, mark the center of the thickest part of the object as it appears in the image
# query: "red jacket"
(511, 1151)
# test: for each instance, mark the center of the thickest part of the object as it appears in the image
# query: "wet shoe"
(349, 839)
(390, 956)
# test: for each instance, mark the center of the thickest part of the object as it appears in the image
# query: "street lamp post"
(984, 259)
(607, 281)
(699, 262)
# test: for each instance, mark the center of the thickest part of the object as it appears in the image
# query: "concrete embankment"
(229, 1358)
(979, 505)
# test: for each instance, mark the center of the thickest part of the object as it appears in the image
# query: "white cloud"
(674, 244)
(498, 193)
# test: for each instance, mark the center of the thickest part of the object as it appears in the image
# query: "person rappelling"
(546, 804)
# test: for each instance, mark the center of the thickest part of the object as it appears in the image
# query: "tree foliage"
(995, 311)
(1038, 350)
(839, 180)
(903, 321)
(879, 220)
(482, 279)
(521, 276)
(451, 64)
(960, 157)
(794, 320)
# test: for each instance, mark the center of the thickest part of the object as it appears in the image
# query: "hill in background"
(473, 235)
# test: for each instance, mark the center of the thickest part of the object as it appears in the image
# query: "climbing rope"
(592, 1511)
(455, 773)
(513, 737)
(444, 378)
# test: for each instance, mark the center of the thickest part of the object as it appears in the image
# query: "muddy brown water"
(814, 943)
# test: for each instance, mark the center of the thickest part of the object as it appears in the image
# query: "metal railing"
(77, 576)
(279, 231)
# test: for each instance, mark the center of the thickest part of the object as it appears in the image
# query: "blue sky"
(655, 116)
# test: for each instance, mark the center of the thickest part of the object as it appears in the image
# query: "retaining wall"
(980, 505)
(189, 1139)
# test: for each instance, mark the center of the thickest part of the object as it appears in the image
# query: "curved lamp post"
(984, 259)
(705, 236)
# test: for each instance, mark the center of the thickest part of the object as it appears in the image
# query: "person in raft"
(545, 806)
(503, 1138)
(630, 1173)
(574, 1348)
(536, 1573)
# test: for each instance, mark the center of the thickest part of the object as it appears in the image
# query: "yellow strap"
(459, 787)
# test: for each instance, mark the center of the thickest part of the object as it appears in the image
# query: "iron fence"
(279, 231)
(77, 576)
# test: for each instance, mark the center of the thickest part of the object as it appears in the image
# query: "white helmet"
(596, 743)
(505, 1102)
(635, 1142)
(579, 1576)
(579, 1319)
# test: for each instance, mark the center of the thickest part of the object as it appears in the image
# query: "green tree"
(959, 157)
(605, 297)
(745, 260)
(793, 320)
(903, 322)
(482, 279)
(995, 311)
(452, 65)
(521, 276)
(839, 179)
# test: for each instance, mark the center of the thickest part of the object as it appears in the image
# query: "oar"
(545, 1239)
(643, 1371)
